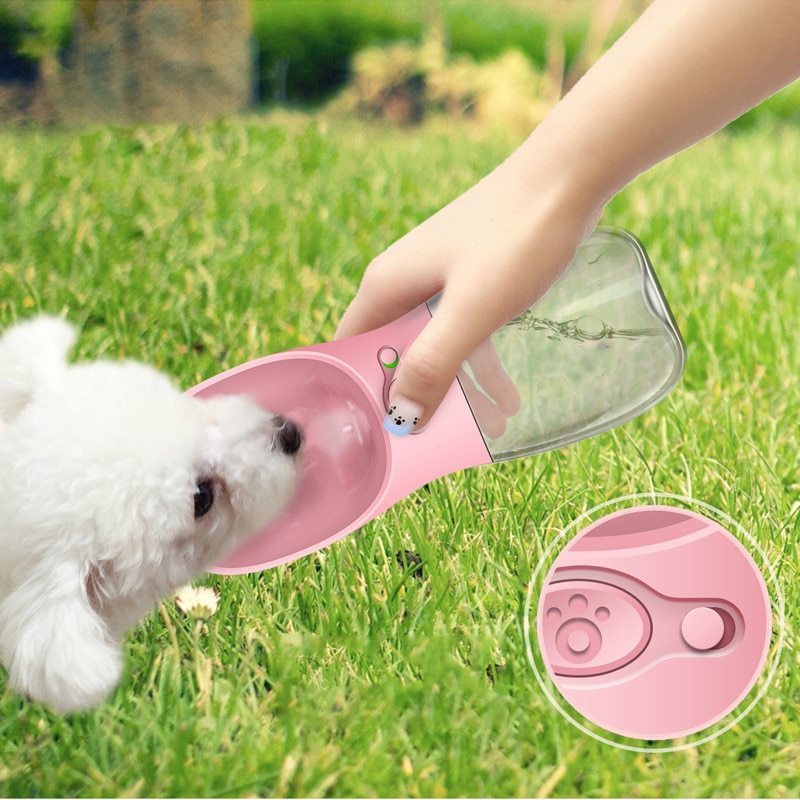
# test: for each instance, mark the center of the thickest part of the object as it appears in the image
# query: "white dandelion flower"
(198, 602)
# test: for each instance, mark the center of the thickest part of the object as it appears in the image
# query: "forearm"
(682, 71)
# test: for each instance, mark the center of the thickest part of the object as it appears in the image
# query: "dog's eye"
(203, 499)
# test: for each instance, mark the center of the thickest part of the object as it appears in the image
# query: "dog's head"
(117, 487)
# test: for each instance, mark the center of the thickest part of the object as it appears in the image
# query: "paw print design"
(398, 418)
(592, 628)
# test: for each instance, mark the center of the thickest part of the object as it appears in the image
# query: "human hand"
(492, 395)
(492, 253)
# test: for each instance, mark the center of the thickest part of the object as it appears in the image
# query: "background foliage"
(305, 48)
(318, 38)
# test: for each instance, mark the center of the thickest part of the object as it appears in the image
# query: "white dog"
(115, 489)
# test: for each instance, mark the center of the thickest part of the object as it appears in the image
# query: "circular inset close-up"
(654, 622)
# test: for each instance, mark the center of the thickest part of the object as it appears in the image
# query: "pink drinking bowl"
(344, 465)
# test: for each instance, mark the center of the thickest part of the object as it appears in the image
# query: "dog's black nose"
(289, 437)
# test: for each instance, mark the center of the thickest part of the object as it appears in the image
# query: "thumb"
(429, 366)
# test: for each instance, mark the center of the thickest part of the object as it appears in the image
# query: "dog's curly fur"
(99, 466)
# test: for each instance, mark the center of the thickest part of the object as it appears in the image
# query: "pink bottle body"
(352, 470)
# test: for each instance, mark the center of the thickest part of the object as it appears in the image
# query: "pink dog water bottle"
(598, 349)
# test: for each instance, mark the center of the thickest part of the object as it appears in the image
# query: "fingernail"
(402, 416)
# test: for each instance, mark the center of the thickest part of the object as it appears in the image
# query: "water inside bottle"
(597, 350)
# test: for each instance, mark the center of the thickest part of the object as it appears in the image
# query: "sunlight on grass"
(392, 663)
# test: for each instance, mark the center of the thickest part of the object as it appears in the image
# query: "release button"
(702, 628)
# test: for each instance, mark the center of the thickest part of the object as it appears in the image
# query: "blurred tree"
(158, 60)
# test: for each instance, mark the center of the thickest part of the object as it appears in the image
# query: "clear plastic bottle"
(597, 350)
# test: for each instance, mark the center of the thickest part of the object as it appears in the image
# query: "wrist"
(558, 186)
(560, 160)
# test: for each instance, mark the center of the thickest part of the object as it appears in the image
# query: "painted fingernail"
(402, 416)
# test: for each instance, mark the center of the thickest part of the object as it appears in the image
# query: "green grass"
(343, 674)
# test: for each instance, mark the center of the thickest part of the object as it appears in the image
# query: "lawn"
(344, 673)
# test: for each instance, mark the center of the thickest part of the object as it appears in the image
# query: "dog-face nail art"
(402, 416)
